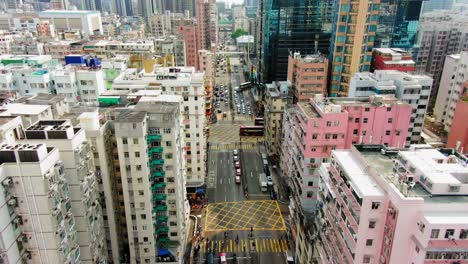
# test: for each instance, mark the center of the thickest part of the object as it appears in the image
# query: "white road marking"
(221, 181)
(229, 181)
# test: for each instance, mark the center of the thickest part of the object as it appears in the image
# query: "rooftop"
(308, 109)
(361, 181)
(23, 109)
(130, 116)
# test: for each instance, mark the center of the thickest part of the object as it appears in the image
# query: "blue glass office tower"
(398, 23)
(291, 25)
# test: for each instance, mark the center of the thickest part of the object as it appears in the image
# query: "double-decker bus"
(259, 121)
(251, 131)
(245, 86)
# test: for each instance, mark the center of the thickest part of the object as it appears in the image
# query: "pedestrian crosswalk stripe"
(231, 246)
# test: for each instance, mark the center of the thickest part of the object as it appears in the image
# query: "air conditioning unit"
(93, 148)
(7, 182)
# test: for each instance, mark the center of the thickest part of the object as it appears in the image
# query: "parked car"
(238, 180)
(237, 164)
(238, 172)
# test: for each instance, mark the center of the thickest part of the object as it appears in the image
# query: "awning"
(200, 190)
(163, 252)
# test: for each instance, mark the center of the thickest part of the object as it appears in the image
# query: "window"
(375, 205)
(138, 167)
(311, 183)
(140, 180)
(137, 154)
(369, 242)
(327, 136)
(124, 141)
(127, 167)
(141, 192)
(134, 125)
(169, 156)
(389, 109)
(167, 130)
(171, 190)
(390, 120)
(355, 132)
(126, 154)
(367, 109)
(329, 123)
(335, 136)
(372, 224)
(366, 259)
(387, 132)
(365, 120)
(314, 136)
(310, 194)
(449, 233)
(168, 143)
(313, 149)
(135, 141)
(173, 233)
(143, 216)
(357, 120)
(463, 234)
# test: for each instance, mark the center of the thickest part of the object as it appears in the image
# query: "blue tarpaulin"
(163, 252)
(200, 190)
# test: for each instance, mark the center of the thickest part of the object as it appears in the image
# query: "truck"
(263, 182)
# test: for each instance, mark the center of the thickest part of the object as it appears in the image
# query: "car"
(238, 179)
(237, 164)
(270, 181)
(219, 111)
(235, 152)
(224, 114)
(236, 158)
(222, 258)
(226, 102)
(238, 111)
(238, 172)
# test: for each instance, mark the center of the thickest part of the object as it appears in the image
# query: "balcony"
(160, 208)
(163, 239)
(150, 138)
(159, 185)
(162, 230)
(155, 150)
(157, 162)
(159, 197)
(158, 174)
(162, 218)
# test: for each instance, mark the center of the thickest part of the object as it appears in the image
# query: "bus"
(246, 85)
(259, 121)
(251, 131)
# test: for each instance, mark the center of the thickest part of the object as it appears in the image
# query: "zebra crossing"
(245, 245)
(232, 146)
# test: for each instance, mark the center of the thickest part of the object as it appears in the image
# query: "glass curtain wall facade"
(289, 26)
(398, 23)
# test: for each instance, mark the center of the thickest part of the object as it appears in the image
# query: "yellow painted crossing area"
(245, 245)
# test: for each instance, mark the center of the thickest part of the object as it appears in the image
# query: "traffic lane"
(253, 167)
(224, 175)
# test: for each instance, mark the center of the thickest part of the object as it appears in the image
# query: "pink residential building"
(307, 75)
(381, 205)
(207, 23)
(312, 130)
(458, 136)
(189, 33)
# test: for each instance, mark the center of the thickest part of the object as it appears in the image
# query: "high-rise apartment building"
(100, 136)
(190, 84)
(92, 5)
(413, 89)
(148, 8)
(441, 33)
(207, 24)
(392, 59)
(123, 8)
(188, 30)
(383, 205)
(277, 98)
(150, 148)
(398, 23)
(352, 42)
(454, 76)
(308, 75)
(82, 181)
(312, 130)
(303, 26)
(38, 221)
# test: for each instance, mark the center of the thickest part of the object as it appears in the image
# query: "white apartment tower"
(82, 181)
(189, 84)
(149, 141)
(455, 73)
(99, 137)
(37, 223)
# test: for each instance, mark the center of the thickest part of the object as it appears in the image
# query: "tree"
(239, 32)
